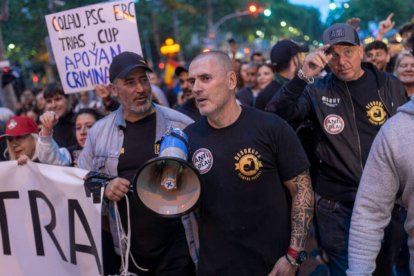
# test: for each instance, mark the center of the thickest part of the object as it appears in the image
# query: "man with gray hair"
(246, 224)
(119, 145)
(347, 108)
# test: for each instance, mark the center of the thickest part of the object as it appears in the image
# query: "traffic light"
(332, 5)
(267, 12)
(252, 8)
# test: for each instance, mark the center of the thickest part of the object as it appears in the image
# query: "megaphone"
(168, 184)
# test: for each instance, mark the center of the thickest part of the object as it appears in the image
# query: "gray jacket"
(50, 153)
(388, 171)
(101, 154)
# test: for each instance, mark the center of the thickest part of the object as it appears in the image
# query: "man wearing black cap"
(118, 145)
(189, 106)
(348, 106)
(285, 56)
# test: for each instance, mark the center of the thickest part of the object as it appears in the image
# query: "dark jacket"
(190, 109)
(63, 131)
(266, 95)
(245, 96)
(339, 154)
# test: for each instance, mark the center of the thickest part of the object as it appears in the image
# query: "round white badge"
(333, 124)
(202, 160)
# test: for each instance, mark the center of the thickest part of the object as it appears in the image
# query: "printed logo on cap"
(248, 164)
(337, 33)
(376, 113)
(12, 124)
(333, 124)
(202, 160)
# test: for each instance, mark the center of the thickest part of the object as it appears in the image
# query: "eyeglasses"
(17, 138)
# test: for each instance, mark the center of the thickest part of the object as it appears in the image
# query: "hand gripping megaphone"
(168, 184)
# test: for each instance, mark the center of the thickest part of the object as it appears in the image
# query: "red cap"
(20, 125)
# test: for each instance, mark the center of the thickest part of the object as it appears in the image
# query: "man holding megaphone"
(118, 145)
(249, 162)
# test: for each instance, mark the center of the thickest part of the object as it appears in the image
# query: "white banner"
(48, 226)
(85, 40)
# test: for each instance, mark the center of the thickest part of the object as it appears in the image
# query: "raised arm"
(290, 101)
(48, 150)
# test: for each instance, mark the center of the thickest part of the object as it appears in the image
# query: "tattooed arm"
(300, 189)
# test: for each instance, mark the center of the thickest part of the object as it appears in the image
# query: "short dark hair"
(407, 27)
(376, 45)
(231, 41)
(91, 111)
(53, 89)
(256, 54)
(268, 65)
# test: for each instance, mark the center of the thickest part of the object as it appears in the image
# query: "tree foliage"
(374, 10)
(185, 20)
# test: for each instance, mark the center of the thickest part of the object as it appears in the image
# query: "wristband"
(293, 253)
(292, 262)
(302, 76)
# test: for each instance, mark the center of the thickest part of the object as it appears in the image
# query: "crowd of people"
(335, 163)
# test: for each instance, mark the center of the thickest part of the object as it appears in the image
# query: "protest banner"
(85, 40)
(49, 226)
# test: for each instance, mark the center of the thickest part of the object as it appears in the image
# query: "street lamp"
(212, 32)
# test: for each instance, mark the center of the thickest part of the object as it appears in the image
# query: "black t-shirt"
(244, 207)
(151, 234)
(370, 112)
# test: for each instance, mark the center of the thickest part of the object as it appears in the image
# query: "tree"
(374, 10)
(185, 20)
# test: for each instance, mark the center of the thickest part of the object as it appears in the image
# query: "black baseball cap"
(124, 63)
(179, 70)
(283, 51)
(341, 33)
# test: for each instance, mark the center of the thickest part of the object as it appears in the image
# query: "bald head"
(222, 59)
(214, 83)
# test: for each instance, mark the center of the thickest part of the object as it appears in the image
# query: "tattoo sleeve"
(302, 208)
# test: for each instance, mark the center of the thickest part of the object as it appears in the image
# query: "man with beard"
(119, 145)
(285, 57)
(189, 106)
(255, 206)
(247, 95)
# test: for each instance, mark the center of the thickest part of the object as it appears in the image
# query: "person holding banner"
(250, 162)
(118, 145)
(21, 135)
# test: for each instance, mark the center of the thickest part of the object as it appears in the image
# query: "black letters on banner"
(3, 220)
(122, 11)
(94, 16)
(74, 207)
(33, 196)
